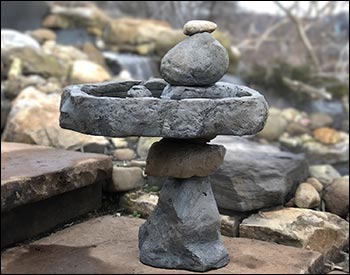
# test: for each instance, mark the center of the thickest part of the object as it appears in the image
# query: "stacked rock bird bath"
(188, 109)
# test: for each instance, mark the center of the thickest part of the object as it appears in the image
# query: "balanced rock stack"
(184, 230)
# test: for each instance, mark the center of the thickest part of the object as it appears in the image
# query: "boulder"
(34, 119)
(199, 60)
(255, 176)
(316, 184)
(305, 228)
(336, 197)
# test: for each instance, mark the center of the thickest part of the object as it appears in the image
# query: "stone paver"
(110, 245)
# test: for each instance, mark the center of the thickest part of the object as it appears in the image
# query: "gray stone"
(110, 88)
(183, 159)
(324, 173)
(218, 90)
(199, 60)
(139, 91)
(32, 173)
(108, 245)
(125, 179)
(187, 118)
(156, 86)
(319, 231)
(184, 228)
(197, 26)
(307, 196)
(255, 176)
(296, 129)
(336, 197)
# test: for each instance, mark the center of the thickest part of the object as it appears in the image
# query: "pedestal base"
(183, 232)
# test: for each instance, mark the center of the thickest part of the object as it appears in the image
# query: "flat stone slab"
(31, 173)
(104, 109)
(108, 244)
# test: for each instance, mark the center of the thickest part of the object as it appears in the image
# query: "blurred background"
(296, 53)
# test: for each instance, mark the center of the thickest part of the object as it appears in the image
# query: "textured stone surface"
(124, 154)
(93, 247)
(184, 228)
(156, 86)
(125, 178)
(255, 176)
(230, 225)
(33, 173)
(218, 90)
(187, 118)
(183, 159)
(197, 26)
(336, 197)
(318, 231)
(199, 60)
(307, 196)
(34, 119)
(139, 91)
(324, 173)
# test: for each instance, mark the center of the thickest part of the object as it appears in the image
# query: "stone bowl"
(105, 109)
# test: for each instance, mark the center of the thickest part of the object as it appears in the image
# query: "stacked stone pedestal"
(183, 232)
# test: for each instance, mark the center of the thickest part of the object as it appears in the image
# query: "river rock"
(318, 120)
(327, 135)
(183, 159)
(42, 35)
(199, 60)
(218, 90)
(275, 126)
(184, 228)
(13, 39)
(316, 184)
(319, 231)
(326, 174)
(156, 86)
(125, 179)
(336, 197)
(144, 144)
(197, 26)
(255, 176)
(307, 196)
(124, 154)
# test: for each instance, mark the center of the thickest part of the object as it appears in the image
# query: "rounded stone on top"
(197, 26)
(199, 60)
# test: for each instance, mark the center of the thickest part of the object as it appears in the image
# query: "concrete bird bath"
(184, 230)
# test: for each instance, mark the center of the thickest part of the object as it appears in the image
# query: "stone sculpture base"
(183, 232)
